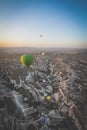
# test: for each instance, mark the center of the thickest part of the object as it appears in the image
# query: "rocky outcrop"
(50, 96)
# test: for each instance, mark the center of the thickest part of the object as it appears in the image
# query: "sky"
(62, 23)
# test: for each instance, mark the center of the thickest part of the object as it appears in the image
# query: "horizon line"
(43, 47)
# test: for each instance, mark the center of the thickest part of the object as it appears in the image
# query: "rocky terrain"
(50, 95)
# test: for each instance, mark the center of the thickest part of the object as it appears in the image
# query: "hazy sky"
(62, 23)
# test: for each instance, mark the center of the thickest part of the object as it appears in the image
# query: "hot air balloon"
(27, 59)
(42, 120)
(48, 98)
(41, 35)
(43, 53)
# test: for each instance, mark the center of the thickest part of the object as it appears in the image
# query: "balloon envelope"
(48, 98)
(40, 35)
(42, 120)
(27, 60)
(43, 53)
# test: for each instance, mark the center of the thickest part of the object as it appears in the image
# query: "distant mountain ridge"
(20, 50)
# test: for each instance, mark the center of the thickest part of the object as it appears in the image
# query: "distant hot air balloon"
(27, 59)
(43, 53)
(48, 98)
(60, 73)
(41, 35)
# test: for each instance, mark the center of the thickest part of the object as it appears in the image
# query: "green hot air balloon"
(27, 60)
